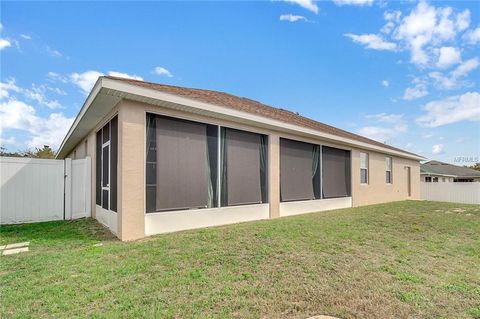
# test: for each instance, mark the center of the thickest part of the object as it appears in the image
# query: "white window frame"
(389, 169)
(366, 168)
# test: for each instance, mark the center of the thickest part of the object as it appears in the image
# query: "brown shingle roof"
(254, 107)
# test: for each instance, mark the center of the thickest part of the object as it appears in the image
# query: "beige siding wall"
(131, 167)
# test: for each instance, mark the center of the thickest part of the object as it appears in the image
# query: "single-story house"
(435, 171)
(168, 158)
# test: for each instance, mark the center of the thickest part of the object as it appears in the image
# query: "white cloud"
(427, 136)
(385, 83)
(372, 41)
(26, 36)
(7, 87)
(386, 118)
(472, 36)
(353, 2)
(125, 75)
(292, 18)
(55, 77)
(86, 80)
(466, 67)
(448, 56)
(37, 93)
(382, 133)
(43, 130)
(4, 44)
(437, 149)
(453, 109)
(417, 91)
(454, 79)
(463, 20)
(392, 18)
(162, 71)
(53, 52)
(426, 27)
(306, 4)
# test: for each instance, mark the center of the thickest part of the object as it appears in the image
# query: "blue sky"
(404, 73)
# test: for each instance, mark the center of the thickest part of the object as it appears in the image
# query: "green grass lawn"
(399, 260)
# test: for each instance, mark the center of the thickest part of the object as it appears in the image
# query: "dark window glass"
(105, 199)
(181, 156)
(428, 179)
(336, 172)
(151, 198)
(212, 152)
(244, 162)
(389, 177)
(98, 169)
(113, 163)
(106, 133)
(264, 167)
(105, 166)
(150, 171)
(299, 170)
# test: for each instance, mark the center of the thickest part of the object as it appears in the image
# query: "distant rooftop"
(440, 168)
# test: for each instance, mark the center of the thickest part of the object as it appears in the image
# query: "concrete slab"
(14, 251)
(17, 245)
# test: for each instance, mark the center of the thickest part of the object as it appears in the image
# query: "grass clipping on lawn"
(399, 260)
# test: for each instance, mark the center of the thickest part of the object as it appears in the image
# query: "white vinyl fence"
(34, 190)
(466, 193)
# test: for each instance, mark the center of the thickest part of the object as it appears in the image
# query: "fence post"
(68, 189)
(88, 186)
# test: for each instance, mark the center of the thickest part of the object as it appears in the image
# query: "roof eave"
(127, 90)
(88, 101)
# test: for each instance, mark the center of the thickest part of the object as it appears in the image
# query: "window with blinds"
(363, 168)
(388, 172)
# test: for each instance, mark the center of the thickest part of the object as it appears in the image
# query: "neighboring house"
(168, 158)
(435, 171)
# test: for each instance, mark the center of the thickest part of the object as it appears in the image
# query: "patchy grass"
(398, 260)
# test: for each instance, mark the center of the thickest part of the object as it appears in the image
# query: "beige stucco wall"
(131, 166)
(377, 190)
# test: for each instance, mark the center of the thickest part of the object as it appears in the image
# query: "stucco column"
(131, 172)
(274, 175)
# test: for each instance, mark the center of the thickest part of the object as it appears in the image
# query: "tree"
(476, 166)
(44, 152)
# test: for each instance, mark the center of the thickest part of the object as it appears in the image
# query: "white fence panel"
(31, 190)
(35, 190)
(80, 188)
(466, 193)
